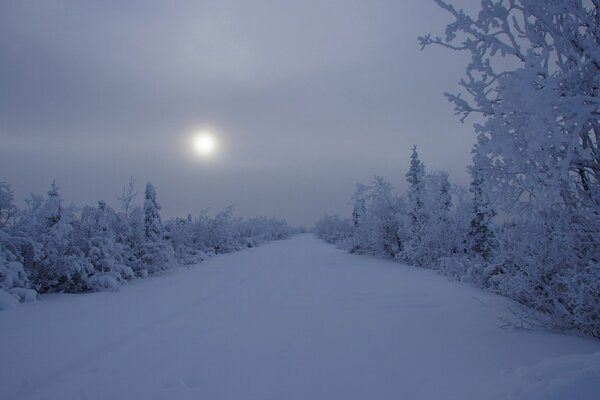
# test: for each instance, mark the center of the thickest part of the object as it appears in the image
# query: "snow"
(560, 378)
(293, 319)
(7, 301)
(24, 294)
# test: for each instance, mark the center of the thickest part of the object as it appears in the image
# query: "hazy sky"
(306, 97)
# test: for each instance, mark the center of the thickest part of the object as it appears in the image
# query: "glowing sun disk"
(204, 143)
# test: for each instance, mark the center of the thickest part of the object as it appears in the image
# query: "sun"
(204, 143)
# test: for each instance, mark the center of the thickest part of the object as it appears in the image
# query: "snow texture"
(7, 301)
(560, 378)
(293, 319)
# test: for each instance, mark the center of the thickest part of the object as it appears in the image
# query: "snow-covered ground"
(294, 319)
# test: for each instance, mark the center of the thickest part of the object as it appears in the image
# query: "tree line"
(529, 227)
(52, 247)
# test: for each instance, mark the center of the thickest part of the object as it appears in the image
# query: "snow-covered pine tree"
(359, 241)
(436, 242)
(158, 253)
(128, 227)
(99, 243)
(417, 215)
(384, 205)
(8, 209)
(480, 239)
(62, 265)
(152, 221)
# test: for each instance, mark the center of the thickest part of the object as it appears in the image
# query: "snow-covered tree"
(98, 240)
(158, 253)
(152, 221)
(12, 273)
(51, 248)
(534, 76)
(181, 233)
(538, 145)
(417, 213)
(13, 276)
(435, 240)
(128, 197)
(62, 265)
(8, 209)
(375, 220)
(222, 235)
(480, 238)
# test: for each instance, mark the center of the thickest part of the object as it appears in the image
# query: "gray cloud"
(309, 97)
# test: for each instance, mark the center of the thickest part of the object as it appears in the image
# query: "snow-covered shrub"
(550, 265)
(8, 209)
(7, 301)
(13, 277)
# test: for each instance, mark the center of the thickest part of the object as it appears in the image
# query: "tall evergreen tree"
(480, 238)
(158, 253)
(152, 221)
(416, 208)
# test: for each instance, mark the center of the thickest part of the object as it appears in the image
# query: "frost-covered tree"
(50, 247)
(538, 145)
(222, 234)
(534, 76)
(185, 244)
(460, 219)
(152, 221)
(128, 197)
(376, 223)
(384, 210)
(480, 239)
(359, 211)
(62, 265)
(157, 253)
(435, 241)
(417, 213)
(13, 277)
(8, 209)
(98, 240)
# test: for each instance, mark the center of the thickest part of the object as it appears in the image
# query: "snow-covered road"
(294, 319)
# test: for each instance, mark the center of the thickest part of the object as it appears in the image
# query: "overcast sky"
(306, 97)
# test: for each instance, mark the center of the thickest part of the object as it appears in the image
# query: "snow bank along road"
(294, 319)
